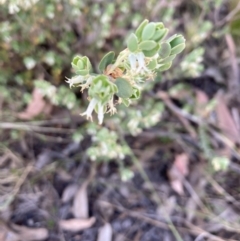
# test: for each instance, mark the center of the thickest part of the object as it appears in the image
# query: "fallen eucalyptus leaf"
(80, 202)
(105, 233)
(30, 234)
(76, 225)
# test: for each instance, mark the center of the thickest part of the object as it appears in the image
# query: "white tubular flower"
(141, 62)
(137, 62)
(133, 61)
(87, 84)
(76, 80)
(90, 109)
(100, 113)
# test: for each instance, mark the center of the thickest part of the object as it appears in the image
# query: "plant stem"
(119, 59)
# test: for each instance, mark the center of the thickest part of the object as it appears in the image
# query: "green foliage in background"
(38, 39)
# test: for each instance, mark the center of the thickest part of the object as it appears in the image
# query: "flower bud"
(81, 65)
(102, 89)
(136, 93)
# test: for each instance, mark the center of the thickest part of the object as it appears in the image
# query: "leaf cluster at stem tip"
(148, 52)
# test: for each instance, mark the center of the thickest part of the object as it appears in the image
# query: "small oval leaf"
(167, 60)
(140, 29)
(106, 60)
(165, 67)
(126, 102)
(147, 45)
(132, 42)
(152, 64)
(151, 53)
(165, 50)
(125, 89)
(179, 39)
(178, 49)
(160, 34)
(80, 64)
(160, 25)
(75, 59)
(171, 38)
(148, 31)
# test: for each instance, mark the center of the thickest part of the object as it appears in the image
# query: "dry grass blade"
(201, 102)
(225, 120)
(105, 233)
(195, 230)
(76, 225)
(26, 127)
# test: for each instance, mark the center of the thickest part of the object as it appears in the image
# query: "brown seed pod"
(115, 73)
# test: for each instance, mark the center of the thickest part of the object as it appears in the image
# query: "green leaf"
(80, 64)
(159, 25)
(106, 60)
(165, 67)
(167, 60)
(88, 63)
(235, 26)
(148, 31)
(178, 49)
(132, 42)
(147, 45)
(82, 72)
(152, 64)
(102, 88)
(140, 28)
(165, 50)
(151, 53)
(171, 38)
(125, 89)
(136, 94)
(179, 39)
(76, 59)
(126, 102)
(160, 34)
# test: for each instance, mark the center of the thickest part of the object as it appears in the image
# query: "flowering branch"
(147, 53)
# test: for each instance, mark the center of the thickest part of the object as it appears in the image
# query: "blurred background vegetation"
(193, 108)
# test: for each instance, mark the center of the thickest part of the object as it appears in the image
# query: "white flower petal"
(141, 62)
(133, 61)
(100, 113)
(90, 109)
(75, 80)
